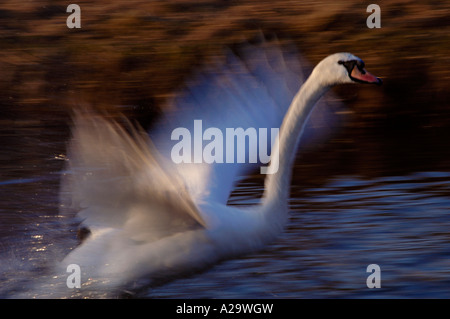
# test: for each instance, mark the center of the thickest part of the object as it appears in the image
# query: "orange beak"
(364, 76)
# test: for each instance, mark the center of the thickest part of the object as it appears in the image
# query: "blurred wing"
(117, 180)
(252, 89)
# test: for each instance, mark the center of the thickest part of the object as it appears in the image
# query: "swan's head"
(340, 68)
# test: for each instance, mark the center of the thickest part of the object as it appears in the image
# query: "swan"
(150, 219)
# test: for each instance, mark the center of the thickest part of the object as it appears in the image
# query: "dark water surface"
(363, 198)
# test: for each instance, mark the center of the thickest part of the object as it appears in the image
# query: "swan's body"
(151, 218)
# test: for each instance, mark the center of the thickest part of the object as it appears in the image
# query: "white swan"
(150, 218)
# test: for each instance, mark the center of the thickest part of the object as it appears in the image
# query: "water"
(350, 207)
(335, 232)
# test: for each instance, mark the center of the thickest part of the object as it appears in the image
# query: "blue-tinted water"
(340, 223)
(336, 231)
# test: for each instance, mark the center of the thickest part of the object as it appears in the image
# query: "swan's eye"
(349, 65)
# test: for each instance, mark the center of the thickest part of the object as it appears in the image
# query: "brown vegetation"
(135, 52)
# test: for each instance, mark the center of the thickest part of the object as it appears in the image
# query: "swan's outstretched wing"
(117, 180)
(252, 89)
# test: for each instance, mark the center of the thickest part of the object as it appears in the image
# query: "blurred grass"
(136, 53)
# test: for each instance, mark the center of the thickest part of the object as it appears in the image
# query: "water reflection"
(341, 221)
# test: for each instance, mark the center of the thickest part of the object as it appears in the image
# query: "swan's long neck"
(277, 185)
